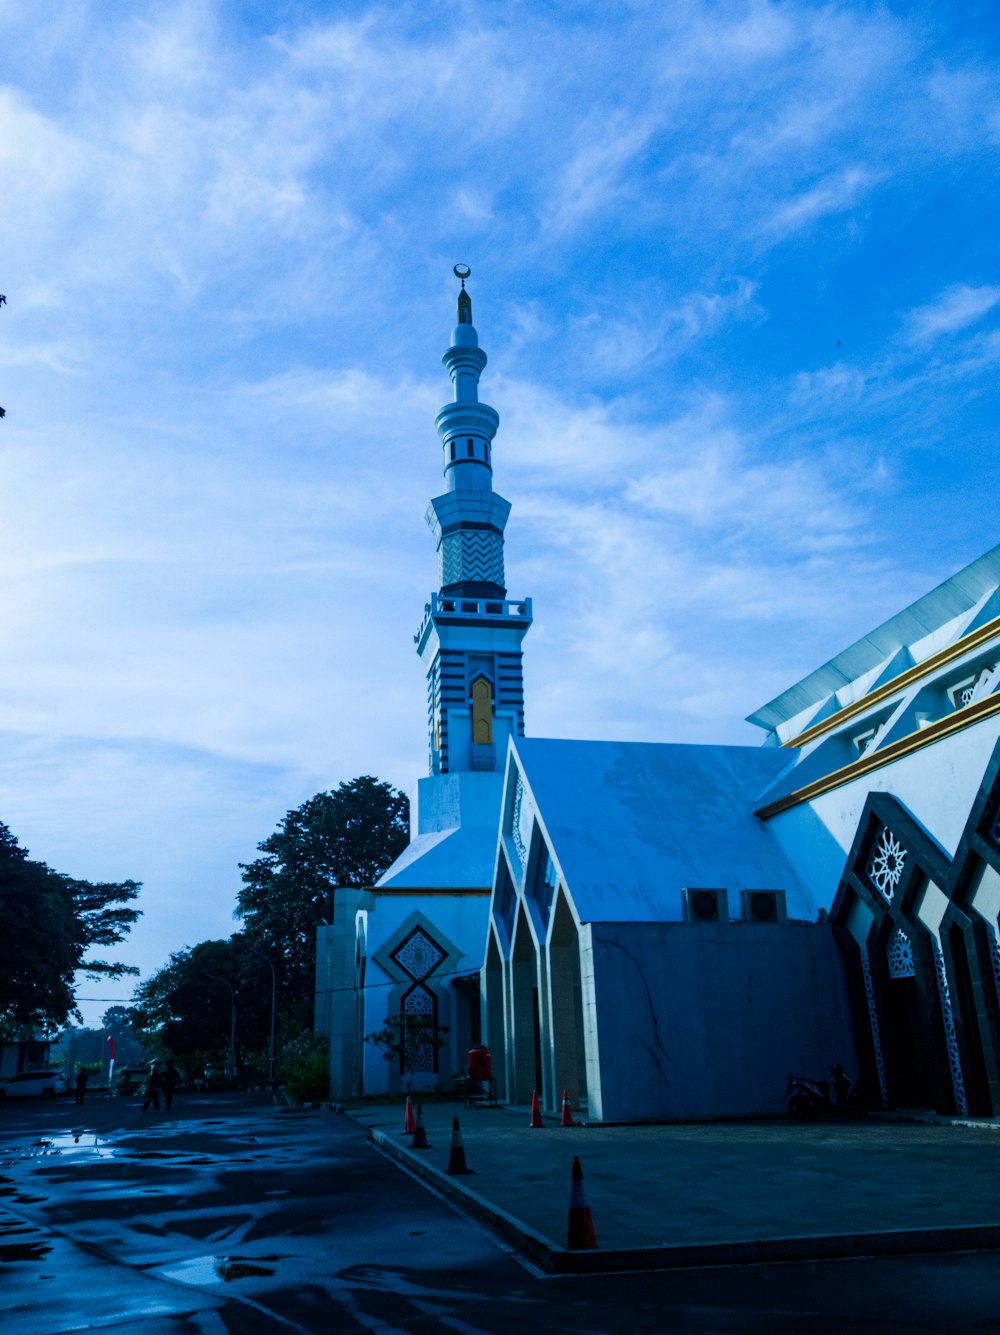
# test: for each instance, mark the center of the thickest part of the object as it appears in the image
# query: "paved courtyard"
(230, 1217)
(714, 1184)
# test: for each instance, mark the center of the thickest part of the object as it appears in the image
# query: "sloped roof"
(460, 858)
(632, 823)
(949, 601)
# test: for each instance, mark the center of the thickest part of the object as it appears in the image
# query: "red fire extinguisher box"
(480, 1063)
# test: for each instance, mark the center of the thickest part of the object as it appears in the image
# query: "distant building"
(23, 1054)
(666, 930)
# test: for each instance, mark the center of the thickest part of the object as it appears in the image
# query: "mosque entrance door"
(912, 1024)
(906, 1044)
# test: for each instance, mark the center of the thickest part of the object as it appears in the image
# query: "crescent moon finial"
(462, 271)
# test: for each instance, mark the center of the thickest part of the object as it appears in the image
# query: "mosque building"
(666, 931)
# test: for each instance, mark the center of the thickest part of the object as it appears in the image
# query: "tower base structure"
(412, 945)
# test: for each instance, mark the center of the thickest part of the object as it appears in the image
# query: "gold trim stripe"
(971, 641)
(913, 741)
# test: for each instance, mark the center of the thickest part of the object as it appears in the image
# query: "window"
(482, 712)
(865, 741)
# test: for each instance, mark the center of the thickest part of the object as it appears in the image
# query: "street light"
(231, 1072)
(274, 993)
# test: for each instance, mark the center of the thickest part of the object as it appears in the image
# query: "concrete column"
(336, 988)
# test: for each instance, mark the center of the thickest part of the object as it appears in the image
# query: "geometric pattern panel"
(418, 954)
(899, 956)
(951, 1038)
(873, 1021)
(472, 556)
(418, 1005)
(520, 830)
(885, 870)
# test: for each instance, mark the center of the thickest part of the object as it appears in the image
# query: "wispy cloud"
(598, 174)
(955, 309)
(834, 194)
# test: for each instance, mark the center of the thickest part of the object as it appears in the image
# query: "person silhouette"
(154, 1084)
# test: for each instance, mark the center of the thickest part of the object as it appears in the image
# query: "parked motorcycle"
(839, 1097)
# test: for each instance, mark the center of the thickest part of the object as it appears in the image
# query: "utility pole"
(274, 998)
(231, 1072)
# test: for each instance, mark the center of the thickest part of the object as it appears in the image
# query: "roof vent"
(702, 905)
(763, 906)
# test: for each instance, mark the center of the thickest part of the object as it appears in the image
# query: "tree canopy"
(185, 1009)
(48, 925)
(347, 837)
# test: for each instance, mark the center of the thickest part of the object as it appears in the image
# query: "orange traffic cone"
(456, 1160)
(419, 1132)
(536, 1111)
(409, 1126)
(581, 1235)
(567, 1112)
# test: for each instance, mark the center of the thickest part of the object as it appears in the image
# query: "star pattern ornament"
(886, 867)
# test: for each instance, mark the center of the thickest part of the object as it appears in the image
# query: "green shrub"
(305, 1066)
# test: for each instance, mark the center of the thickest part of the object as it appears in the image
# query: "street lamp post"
(274, 996)
(232, 1023)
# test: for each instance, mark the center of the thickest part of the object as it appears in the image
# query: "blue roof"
(461, 859)
(631, 823)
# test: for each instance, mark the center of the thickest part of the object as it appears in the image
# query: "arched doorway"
(566, 1001)
(526, 1057)
(495, 1037)
(906, 1027)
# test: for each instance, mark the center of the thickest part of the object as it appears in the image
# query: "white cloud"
(597, 176)
(954, 309)
(834, 194)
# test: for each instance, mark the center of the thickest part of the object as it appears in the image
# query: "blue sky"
(736, 270)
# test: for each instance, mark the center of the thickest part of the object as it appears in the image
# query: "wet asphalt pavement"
(230, 1216)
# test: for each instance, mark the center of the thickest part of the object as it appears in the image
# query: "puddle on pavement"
(219, 1269)
(78, 1142)
(69, 1142)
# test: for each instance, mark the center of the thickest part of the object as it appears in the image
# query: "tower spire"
(469, 522)
(470, 638)
(462, 271)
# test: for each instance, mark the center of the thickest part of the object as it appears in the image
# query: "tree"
(186, 1009)
(48, 924)
(404, 1040)
(347, 837)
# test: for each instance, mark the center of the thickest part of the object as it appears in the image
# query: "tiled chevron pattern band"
(472, 557)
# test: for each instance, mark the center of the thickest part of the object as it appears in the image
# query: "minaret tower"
(470, 637)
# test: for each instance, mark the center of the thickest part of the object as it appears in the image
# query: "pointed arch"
(495, 1036)
(525, 1046)
(566, 1004)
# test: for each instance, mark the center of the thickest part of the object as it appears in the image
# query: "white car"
(46, 1084)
